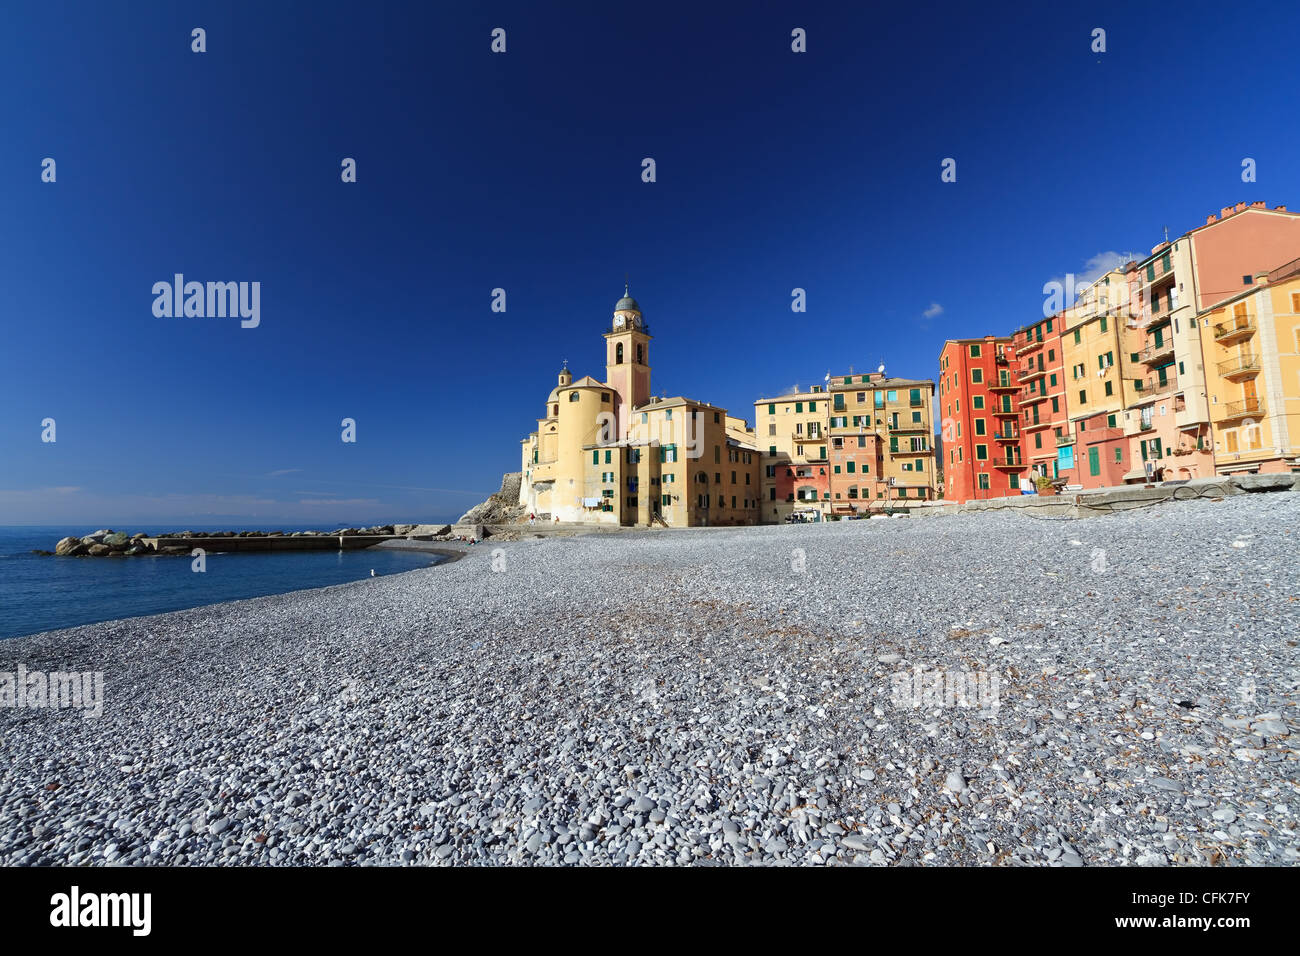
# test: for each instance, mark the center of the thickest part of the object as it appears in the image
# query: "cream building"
(612, 453)
(1252, 363)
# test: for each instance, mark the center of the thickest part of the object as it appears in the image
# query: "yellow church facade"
(612, 453)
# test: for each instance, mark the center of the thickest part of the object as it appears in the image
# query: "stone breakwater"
(713, 696)
(110, 543)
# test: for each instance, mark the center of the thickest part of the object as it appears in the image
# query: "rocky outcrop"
(500, 508)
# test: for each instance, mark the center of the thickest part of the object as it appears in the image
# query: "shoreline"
(447, 555)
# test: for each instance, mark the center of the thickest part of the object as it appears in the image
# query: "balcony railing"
(1002, 386)
(1006, 436)
(1250, 407)
(1031, 373)
(1233, 330)
(1065, 439)
(1008, 463)
(1154, 386)
(1240, 365)
(1154, 353)
(1029, 397)
(1034, 426)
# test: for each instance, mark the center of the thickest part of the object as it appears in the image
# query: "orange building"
(1044, 416)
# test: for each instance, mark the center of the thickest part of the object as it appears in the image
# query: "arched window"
(618, 354)
(573, 396)
(640, 354)
(556, 410)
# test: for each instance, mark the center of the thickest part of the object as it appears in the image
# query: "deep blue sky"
(522, 170)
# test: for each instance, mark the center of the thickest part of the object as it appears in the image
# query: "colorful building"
(1252, 363)
(859, 443)
(978, 402)
(1038, 365)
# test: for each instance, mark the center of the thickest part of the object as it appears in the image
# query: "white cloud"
(934, 311)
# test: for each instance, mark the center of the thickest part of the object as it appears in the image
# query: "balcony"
(1006, 436)
(1226, 333)
(812, 436)
(1030, 397)
(1155, 353)
(1001, 358)
(1161, 273)
(1029, 346)
(1154, 386)
(1013, 462)
(909, 427)
(1248, 408)
(1031, 373)
(1004, 412)
(1064, 440)
(1239, 367)
(1003, 386)
(1034, 426)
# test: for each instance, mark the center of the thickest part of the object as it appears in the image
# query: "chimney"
(1261, 278)
(1240, 207)
(1225, 212)
(1257, 205)
(1211, 218)
(1280, 208)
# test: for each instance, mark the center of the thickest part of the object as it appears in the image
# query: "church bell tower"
(627, 359)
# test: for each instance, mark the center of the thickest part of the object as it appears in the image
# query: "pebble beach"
(703, 697)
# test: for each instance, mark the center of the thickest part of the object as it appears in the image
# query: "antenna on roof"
(1166, 233)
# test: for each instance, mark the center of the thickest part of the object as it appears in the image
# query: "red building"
(979, 411)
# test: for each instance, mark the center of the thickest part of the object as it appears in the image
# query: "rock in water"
(67, 545)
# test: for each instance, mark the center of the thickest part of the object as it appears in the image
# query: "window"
(618, 354)
(979, 427)
(1083, 396)
(1103, 323)
(1119, 456)
(798, 407)
(771, 450)
(981, 452)
(1111, 421)
(974, 351)
(668, 414)
(1109, 389)
(1078, 336)
(604, 396)
(1051, 355)
(573, 396)
(976, 376)
(920, 464)
(1052, 383)
(1056, 404)
(984, 481)
(771, 409)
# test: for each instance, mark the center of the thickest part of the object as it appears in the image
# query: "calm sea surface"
(39, 593)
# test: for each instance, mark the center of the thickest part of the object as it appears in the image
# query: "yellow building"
(611, 453)
(1252, 368)
(860, 443)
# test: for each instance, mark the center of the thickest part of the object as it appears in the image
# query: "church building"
(611, 452)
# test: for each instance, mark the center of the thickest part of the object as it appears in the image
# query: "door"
(1094, 461)
(1248, 393)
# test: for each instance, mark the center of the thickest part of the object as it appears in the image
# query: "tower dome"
(627, 303)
